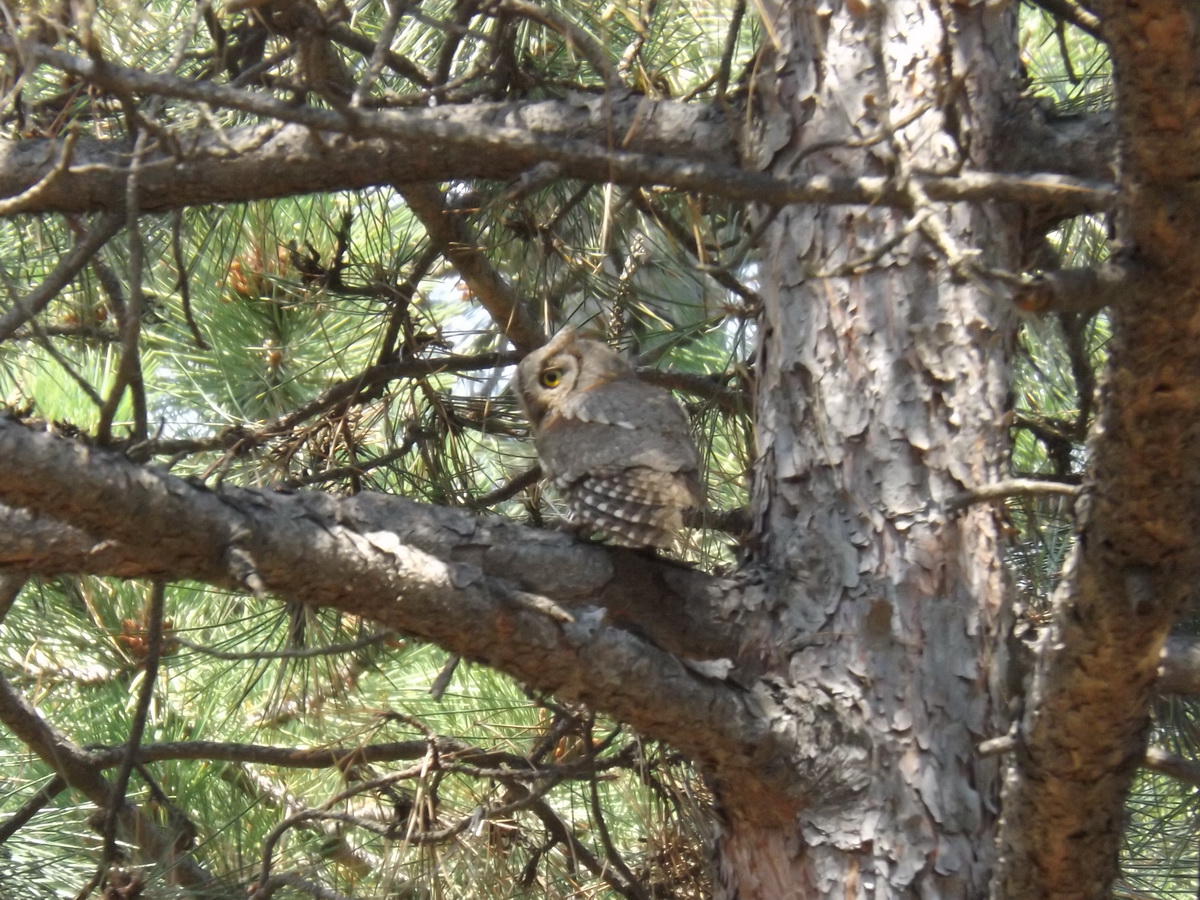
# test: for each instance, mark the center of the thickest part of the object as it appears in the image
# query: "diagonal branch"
(25, 308)
(82, 772)
(448, 230)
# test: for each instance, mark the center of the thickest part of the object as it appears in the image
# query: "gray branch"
(540, 606)
(688, 146)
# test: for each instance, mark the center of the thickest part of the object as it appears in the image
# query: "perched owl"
(619, 449)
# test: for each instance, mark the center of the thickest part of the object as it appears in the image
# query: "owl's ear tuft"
(565, 337)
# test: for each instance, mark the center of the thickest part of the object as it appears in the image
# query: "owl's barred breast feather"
(635, 507)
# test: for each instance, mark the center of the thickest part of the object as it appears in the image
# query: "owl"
(619, 449)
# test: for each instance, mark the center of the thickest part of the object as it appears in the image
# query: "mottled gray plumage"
(619, 449)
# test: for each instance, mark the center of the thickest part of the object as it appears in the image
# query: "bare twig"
(401, 298)
(275, 882)
(507, 491)
(629, 886)
(185, 293)
(129, 368)
(333, 756)
(1002, 490)
(379, 52)
(402, 65)
(731, 41)
(1075, 14)
(351, 389)
(81, 772)
(357, 469)
(30, 808)
(154, 642)
(437, 690)
(577, 39)
(40, 336)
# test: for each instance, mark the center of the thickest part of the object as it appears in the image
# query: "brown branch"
(733, 522)
(1179, 672)
(84, 332)
(448, 230)
(31, 807)
(154, 644)
(1074, 14)
(561, 833)
(79, 770)
(11, 585)
(401, 298)
(30, 196)
(181, 283)
(297, 653)
(679, 145)
(267, 888)
(334, 756)
(1166, 763)
(128, 375)
(1013, 487)
(577, 39)
(707, 387)
(357, 388)
(507, 491)
(401, 65)
(1083, 290)
(628, 885)
(52, 351)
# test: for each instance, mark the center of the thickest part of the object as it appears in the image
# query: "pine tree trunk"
(882, 396)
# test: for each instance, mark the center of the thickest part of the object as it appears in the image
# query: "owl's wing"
(656, 436)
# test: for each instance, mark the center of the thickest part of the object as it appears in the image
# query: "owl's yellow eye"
(551, 378)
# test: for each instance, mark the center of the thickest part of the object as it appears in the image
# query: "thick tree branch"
(686, 146)
(1173, 766)
(1038, 139)
(1134, 569)
(521, 600)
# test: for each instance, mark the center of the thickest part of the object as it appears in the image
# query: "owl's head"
(548, 377)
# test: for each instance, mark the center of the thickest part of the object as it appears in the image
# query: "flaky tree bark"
(882, 395)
